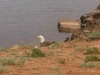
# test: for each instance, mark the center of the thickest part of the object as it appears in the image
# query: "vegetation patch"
(7, 61)
(92, 50)
(94, 34)
(92, 58)
(88, 64)
(12, 60)
(37, 53)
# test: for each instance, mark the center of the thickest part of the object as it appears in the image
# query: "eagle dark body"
(46, 43)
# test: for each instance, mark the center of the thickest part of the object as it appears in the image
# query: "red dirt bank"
(49, 65)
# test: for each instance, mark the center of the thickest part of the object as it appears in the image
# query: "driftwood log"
(91, 21)
(69, 26)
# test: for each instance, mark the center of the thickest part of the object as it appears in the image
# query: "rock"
(66, 39)
(69, 26)
(91, 21)
(73, 36)
(98, 8)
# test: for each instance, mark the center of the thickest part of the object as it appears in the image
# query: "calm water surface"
(23, 20)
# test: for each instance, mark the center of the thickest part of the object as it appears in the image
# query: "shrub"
(93, 50)
(92, 58)
(37, 53)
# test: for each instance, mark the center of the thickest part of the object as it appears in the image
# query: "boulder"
(91, 21)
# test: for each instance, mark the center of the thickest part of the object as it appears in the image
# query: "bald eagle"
(43, 42)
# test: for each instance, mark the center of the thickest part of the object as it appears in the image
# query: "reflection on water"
(24, 20)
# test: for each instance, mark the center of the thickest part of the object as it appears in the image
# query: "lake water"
(21, 21)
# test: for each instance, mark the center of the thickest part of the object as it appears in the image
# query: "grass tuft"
(37, 53)
(94, 34)
(12, 60)
(7, 61)
(92, 58)
(92, 50)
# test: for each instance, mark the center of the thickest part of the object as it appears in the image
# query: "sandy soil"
(50, 65)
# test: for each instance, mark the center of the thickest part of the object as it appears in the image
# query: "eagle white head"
(41, 38)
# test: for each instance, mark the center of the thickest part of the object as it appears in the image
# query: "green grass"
(37, 53)
(88, 64)
(94, 34)
(92, 50)
(7, 61)
(12, 60)
(92, 58)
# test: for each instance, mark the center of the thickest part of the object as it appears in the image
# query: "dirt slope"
(64, 59)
